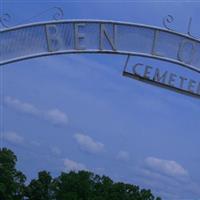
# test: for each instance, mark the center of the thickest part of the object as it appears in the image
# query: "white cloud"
(167, 167)
(13, 137)
(71, 165)
(100, 170)
(21, 106)
(55, 116)
(86, 143)
(56, 151)
(168, 178)
(35, 143)
(123, 156)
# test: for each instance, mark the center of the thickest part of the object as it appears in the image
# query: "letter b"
(53, 38)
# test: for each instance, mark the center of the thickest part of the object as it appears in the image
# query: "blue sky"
(79, 112)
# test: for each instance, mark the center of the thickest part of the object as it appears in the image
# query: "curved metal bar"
(101, 52)
(103, 22)
(119, 52)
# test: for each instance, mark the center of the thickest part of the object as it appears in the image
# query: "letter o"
(182, 46)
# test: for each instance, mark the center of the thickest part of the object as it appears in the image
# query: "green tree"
(41, 188)
(12, 181)
(87, 186)
(74, 186)
(82, 185)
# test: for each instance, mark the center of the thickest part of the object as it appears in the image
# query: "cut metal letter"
(134, 68)
(158, 77)
(181, 50)
(110, 39)
(78, 36)
(53, 38)
(155, 40)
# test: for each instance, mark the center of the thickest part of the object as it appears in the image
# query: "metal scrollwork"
(168, 20)
(4, 20)
(189, 29)
(57, 15)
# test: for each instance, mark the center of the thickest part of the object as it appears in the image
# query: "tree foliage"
(82, 185)
(42, 188)
(12, 185)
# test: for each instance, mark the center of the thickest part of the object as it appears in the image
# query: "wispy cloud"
(55, 116)
(56, 151)
(21, 106)
(88, 144)
(71, 165)
(169, 178)
(13, 137)
(123, 156)
(35, 143)
(167, 167)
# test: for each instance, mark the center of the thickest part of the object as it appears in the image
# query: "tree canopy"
(12, 181)
(81, 185)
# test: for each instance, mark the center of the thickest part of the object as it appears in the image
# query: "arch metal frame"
(117, 52)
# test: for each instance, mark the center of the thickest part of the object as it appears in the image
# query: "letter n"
(104, 34)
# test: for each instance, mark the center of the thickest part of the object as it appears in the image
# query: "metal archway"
(97, 36)
(105, 37)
